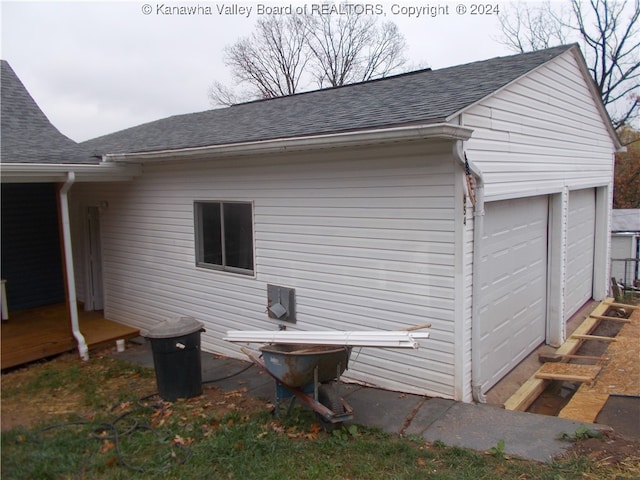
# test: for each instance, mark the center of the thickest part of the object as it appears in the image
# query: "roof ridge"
(560, 48)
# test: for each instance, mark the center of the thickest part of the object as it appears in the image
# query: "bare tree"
(271, 61)
(352, 48)
(527, 28)
(286, 55)
(609, 33)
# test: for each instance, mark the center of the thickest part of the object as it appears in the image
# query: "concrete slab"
(256, 383)
(481, 427)
(430, 411)
(138, 351)
(382, 408)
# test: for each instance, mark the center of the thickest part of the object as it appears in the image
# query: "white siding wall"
(543, 135)
(540, 134)
(466, 294)
(365, 237)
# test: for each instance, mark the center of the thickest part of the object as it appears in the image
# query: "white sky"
(98, 67)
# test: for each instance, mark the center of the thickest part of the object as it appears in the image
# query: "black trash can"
(176, 357)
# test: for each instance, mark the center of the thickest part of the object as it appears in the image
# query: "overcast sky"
(99, 67)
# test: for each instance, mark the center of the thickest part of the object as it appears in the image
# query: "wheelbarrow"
(307, 373)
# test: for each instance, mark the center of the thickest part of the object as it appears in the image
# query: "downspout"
(478, 232)
(68, 258)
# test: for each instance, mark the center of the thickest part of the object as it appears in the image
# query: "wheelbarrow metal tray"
(294, 365)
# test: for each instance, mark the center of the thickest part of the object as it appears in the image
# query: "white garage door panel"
(580, 249)
(513, 281)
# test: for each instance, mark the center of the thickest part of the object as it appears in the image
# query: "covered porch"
(37, 333)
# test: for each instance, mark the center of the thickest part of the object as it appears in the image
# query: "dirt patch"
(612, 449)
(34, 394)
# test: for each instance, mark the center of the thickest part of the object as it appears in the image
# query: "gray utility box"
(176, 357)
(281, 303)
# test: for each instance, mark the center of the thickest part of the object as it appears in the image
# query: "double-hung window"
(224, 235)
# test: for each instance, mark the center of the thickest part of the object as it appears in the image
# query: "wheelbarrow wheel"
(328, 397)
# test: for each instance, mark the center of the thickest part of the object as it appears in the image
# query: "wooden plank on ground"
(572, 344)
(526, 394)
(584, 407)
(568, 372)
(594, 337)
(620, 305)
(554, 357)
(613, 319)
(585, 357)
(532, 388)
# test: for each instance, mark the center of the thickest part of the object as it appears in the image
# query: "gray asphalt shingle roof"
(27, 134)
(426, 96)
(419, 97)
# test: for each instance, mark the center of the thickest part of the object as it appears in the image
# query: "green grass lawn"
(87, 421)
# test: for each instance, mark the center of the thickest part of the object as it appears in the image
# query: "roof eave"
(436, 131)
(57, 172)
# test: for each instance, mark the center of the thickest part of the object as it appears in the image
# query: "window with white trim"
(224, 236)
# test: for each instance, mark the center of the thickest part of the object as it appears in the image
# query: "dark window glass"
(224, 235)
(238, 235)
(211, 231)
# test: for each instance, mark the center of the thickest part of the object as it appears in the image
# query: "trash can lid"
(175, 327)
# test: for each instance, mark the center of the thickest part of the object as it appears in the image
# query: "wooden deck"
(38, 333)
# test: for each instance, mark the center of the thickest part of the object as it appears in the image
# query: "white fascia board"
(58, 172)
(438, 131)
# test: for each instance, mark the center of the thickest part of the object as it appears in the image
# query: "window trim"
(199, 240)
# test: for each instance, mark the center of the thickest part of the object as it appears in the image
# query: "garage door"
(580, 248)
(513, 279)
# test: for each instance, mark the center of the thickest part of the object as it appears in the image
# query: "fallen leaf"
(107, 446)
(178, 440)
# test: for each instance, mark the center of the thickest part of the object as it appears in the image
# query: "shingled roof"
(27, 134)
(426, 96)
